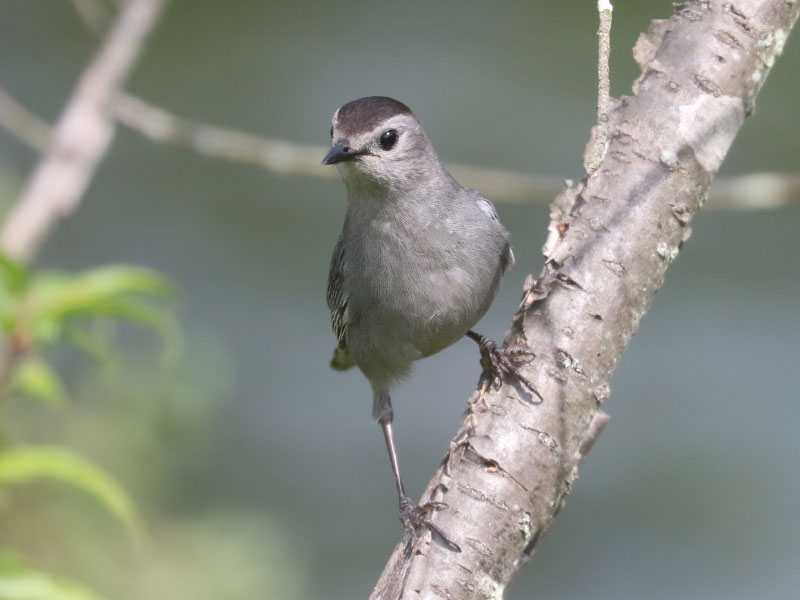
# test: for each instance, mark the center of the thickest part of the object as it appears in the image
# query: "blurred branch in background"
(23, 124)
(81, 136)
(40, 310)
(746, 192)
(71, 152)
(95, 14)
(285, 157)
(216, 142)
(756, 191)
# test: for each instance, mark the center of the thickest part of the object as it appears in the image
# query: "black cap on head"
(365, 113)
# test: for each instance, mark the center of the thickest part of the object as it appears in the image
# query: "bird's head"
(378, 141)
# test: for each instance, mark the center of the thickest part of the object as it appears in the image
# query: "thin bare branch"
(755, 191)
(23, 124)
(238, 146)
(599, 142)
(81, 136)
(287, 157)
(94, 14)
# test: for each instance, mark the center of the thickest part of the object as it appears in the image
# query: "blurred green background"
(257, 468)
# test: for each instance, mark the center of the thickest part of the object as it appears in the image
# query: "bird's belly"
(432, 310)
(455, 302)
(401, 310)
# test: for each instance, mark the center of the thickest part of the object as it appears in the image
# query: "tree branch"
(611, 239)
(23, 124)
(755, 191)
(599, 142)
(81, 136)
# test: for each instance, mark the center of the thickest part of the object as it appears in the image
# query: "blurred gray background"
(257, 467)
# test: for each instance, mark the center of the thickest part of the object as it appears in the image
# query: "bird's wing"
(507, 255)
(336, 296)
(507, 258)
(337, 303)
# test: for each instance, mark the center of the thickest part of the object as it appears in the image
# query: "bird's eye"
(331, 131)
(389, 139)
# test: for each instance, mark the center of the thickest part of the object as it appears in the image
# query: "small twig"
(600, 138)
(275, 155)
(81, 136)
(596, 427)
(755, 191)
(15, 348)
(23, 124)
(95, 15)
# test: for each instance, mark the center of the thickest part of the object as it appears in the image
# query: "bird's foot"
(416, 520)
(497, 362)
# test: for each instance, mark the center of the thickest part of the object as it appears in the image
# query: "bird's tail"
(342, 360)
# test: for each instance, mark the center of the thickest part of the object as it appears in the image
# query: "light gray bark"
(611, 239)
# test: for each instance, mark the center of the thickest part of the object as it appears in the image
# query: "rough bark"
(611, 240)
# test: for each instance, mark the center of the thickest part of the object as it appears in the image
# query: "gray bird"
(417, 264)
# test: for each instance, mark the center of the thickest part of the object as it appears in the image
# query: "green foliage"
(26, 464)
(18, 582)
(13, 274)
(36, 379)
(54, 300)
(39, 310)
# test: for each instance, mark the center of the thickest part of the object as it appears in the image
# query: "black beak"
(342, 152)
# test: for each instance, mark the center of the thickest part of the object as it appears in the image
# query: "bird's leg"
(495, 361)
(415, 518)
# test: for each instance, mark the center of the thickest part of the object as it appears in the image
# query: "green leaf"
(57, 296)
(134, 310)
(13, 280)
(56, 304)
(36, 379)
(126, 309)
(35, 585)
(30, 463)
(91, 343)
(13, 274)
